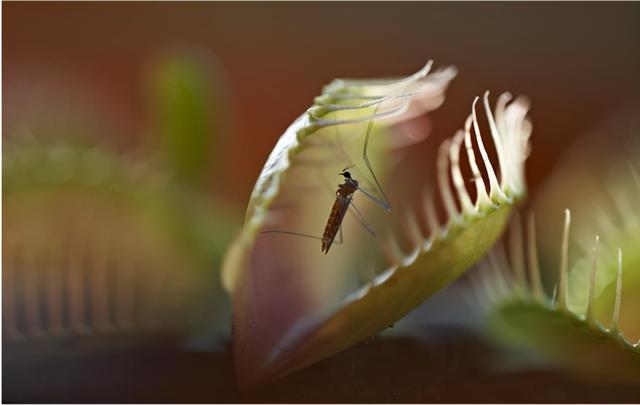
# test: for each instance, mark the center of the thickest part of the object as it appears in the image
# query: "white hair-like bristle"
(482, 199)
(564, 263)
(495, 191)
(592, 281)
(443, 180)
(456, 174)
(618, 299)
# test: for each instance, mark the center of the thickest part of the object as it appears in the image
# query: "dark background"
(578, 63)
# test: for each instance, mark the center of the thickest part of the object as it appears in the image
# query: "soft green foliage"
(187, 112)
(93, 200)
(139, 244)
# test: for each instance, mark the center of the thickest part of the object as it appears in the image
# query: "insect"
(344, 197)
(344, 201)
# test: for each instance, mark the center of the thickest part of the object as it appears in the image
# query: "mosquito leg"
(387, 204)
(338, 145)
(375, 199)
(304, 235)
(384, 203)
(358, 215)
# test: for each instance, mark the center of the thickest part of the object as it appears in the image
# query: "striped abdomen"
(338, 212)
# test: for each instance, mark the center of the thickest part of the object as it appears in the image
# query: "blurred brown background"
(578, 63)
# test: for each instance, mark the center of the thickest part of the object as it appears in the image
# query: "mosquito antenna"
(387, 205)
(348, 167)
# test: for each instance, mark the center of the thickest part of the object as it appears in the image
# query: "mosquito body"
(344, 197)
(344, 201)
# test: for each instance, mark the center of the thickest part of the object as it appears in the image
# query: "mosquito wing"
(382, 203)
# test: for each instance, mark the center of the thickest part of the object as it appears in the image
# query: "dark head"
(349, 181)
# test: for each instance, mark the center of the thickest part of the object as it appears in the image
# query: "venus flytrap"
(98, 243)
(619, 226)
(292, 305)
(519, 313)
(107, 236)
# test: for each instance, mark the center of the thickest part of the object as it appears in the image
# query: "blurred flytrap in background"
(104, 248)
(522, 314)
(588, 321)
(292, 305)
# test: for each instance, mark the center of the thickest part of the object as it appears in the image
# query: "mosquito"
(344, 201)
